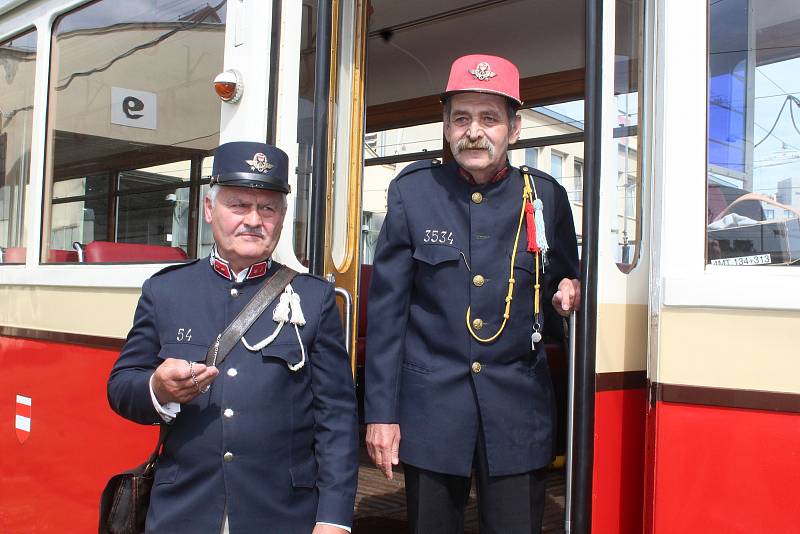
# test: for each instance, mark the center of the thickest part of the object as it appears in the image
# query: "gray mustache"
(481, 144)
(251, 230)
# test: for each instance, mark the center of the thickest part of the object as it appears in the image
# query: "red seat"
(62, 256)
(14, 255)
(17, 255)
(108, 252)
(363, 294)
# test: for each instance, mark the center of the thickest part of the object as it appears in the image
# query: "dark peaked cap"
(249, 164)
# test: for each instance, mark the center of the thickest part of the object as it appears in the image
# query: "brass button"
(478, 280)
(476, 367)
(477, 324)
(234, 292)
(232, 371)
(228, 456)
(228, 413)
(477, 198)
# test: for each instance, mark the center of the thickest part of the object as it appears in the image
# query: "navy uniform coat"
(293, 435)
(420, 355)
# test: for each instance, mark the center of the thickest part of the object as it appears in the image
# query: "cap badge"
(483, 71)
(259, 163)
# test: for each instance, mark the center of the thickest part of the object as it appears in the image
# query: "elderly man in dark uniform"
(267, 442)
(457, 377)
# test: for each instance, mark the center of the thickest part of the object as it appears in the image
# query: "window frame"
(26, 209)
(680, 276)
(42, 18)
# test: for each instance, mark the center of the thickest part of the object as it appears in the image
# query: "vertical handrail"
(348, 317)
(570, 423)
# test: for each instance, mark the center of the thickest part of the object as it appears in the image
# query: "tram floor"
(381, 506)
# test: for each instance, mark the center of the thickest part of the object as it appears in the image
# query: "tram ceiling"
(407, 58)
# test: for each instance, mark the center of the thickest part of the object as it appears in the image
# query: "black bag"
(126, 497)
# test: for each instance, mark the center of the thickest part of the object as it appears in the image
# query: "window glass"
(532, 157)
(343, 128)
(627, 226)
(556, 164)
(132, 115)
(577, 192)
(753, 184)
(305, 128)
(17, 71)
(387, 152)
(205, 238)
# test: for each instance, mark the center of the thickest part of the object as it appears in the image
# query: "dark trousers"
(506, 505)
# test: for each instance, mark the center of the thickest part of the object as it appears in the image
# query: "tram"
(673, 125)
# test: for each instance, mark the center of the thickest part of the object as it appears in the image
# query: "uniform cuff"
(167, 411)
(334, 525)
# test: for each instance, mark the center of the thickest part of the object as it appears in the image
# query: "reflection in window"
(17, 70)
(628, 44)
(556, 165)
(753, 136)
(532, 157)
(131, 118)
(305, 128)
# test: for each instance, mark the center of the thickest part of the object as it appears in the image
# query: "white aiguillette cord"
(288, 305)
(234, 332)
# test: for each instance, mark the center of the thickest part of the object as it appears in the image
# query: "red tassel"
(530, 228)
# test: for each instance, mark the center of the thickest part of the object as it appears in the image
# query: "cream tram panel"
(73, 310)
(736, 349)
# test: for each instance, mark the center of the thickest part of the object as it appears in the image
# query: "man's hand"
(568, 297)
(328, 529)
(173, 382)
(383, 446)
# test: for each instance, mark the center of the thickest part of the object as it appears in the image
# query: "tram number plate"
(758, 259)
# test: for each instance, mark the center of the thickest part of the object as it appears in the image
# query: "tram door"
(622, 270)
(390, 62)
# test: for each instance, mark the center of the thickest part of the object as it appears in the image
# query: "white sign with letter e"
(133, 108)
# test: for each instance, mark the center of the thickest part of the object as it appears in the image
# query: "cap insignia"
(259, 163)
(483, 71)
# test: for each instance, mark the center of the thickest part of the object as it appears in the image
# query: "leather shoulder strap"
(234, 332)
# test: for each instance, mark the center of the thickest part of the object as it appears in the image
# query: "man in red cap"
(469, 254)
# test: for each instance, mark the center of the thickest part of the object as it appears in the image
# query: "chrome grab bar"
(570, 423)
(348, 316)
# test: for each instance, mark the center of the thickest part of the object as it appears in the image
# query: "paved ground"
(380, 504)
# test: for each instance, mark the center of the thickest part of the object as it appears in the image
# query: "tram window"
(627, 226)
(305, 128)
(753, 182)
(131, 117)
(205, 238)
(17, 70)
(556, 165)
(387, 152)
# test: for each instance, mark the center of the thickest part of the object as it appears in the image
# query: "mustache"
(251, 230)
(479, 144)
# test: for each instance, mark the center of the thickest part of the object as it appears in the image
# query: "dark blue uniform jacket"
(437, 236)
(293, 434)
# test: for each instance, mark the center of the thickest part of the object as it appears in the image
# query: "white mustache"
(481, 144)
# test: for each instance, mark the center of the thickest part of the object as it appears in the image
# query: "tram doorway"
(407, 51)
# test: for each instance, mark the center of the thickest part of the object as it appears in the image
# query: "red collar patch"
(223, 268)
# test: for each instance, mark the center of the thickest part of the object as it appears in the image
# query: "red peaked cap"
(480, 73)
